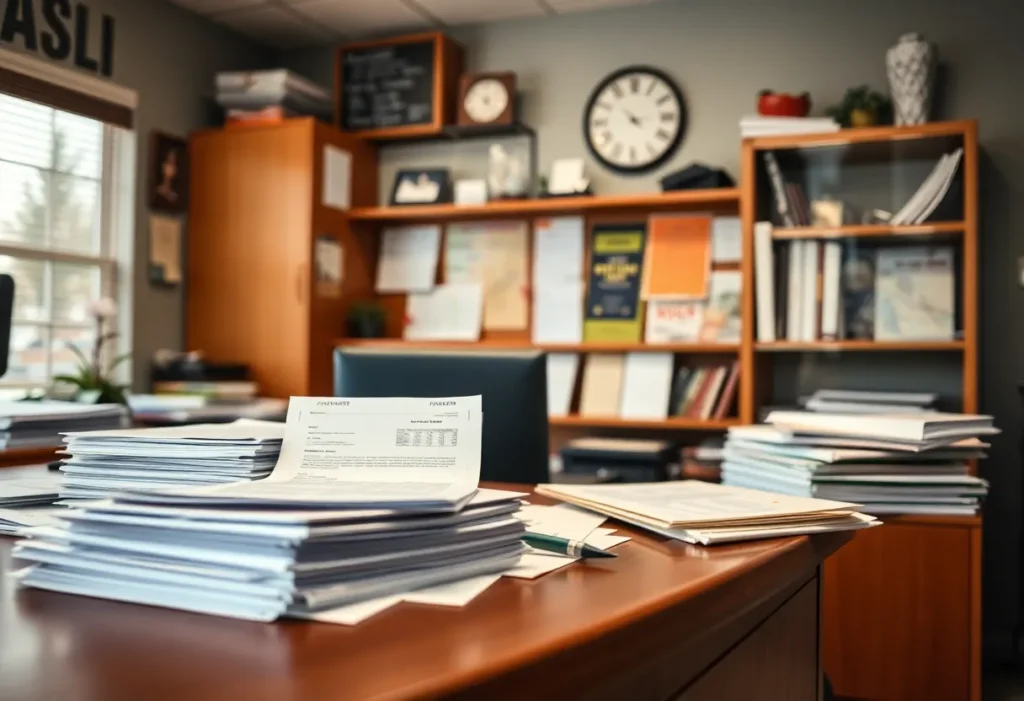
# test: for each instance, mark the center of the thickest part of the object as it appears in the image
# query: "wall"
(722, 52)
(169, 57)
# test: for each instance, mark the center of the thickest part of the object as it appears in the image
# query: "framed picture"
(429, 186)
(168, 173)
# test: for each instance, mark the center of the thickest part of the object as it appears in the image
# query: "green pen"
(563, 546)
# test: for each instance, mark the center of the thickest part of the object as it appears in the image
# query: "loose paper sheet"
(494, 254)
(558, 256)
(450, 312)
(337, 178)
(408, 259)
(165, 248)
(646, 386)
(726, 240)
(366, 451)
(561, 382)
(329, 260)
(558, 312)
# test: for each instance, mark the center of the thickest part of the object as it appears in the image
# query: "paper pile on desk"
(707, 514)
(370, 497)
(104, 463)
(27, 425)
(889, 463)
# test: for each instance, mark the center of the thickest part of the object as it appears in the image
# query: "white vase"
(911, 68)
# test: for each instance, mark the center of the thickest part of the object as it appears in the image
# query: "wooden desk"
(29, 456)
(663, 621)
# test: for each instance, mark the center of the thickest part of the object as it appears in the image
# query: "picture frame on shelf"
(168, 173)
(421, 186)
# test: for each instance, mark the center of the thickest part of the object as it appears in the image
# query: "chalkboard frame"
(448, 62)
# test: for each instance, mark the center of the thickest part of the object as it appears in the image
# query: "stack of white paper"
(18, 489)
(370, 498)
(707, 514)
(889, 463)
(103, 463)
(26, 425)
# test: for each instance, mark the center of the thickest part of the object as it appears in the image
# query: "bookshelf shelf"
(720, 199)
(670, 424)
(487, 344)
(868, 231)
(874, 346)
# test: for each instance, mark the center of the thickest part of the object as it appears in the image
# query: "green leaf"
(78, 354)
(69, 379)
(116, 362)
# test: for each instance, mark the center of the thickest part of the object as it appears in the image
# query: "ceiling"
(287, 24)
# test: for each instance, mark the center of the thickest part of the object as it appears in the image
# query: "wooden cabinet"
(901, 612)
(255, 216)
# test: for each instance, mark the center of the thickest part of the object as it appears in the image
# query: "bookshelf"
(871, 584)
(366, 224)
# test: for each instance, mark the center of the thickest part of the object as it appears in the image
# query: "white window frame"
(117, 207)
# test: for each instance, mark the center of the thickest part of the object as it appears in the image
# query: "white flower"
(104, 308)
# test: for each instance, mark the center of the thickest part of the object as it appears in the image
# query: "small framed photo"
(428, 186)
(168, 173)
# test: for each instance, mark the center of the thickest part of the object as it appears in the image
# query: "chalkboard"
(388, 86)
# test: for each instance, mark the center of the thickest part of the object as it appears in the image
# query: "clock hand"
(633, 118)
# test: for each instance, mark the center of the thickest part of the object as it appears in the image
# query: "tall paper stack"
(914, 463)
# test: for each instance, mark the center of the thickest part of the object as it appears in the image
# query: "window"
(56, 233)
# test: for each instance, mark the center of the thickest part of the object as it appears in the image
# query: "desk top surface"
(55, 646)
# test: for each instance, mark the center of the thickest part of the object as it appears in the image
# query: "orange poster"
(678, 259)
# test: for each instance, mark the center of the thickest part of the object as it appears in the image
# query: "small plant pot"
(366, 327)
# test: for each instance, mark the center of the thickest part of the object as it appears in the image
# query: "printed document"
(421, 454)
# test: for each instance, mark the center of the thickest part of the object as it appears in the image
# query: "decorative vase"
(911, 68)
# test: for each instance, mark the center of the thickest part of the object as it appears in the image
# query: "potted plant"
(366, 320)
(862, 107)
(94, 380)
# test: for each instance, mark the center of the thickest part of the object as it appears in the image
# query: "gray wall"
(169, 56)
(722, 52)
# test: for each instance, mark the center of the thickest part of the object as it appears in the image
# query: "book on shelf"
(810, 290)
(705, 392)
(763, 125)
(930, 195)
(869, 402)
(614, 309)
(601, 395)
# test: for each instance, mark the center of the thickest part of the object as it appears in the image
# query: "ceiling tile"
(474, 11)
(354, 18)
(565, 6)
(275, 26)
(209, 7)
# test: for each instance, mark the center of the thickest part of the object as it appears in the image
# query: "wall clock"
(487, 98)
(634, 120)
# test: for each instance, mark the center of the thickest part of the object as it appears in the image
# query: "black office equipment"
(696, 176)
(629, 460)
(6, 312)
(513, 386)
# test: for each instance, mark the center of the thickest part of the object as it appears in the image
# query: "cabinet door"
(250, 232)
(899, 615)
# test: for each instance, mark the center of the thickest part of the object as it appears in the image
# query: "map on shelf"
(914, 294)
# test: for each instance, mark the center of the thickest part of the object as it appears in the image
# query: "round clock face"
(486, 100)
(634, 120)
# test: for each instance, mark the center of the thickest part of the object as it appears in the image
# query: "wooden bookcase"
(902, 604)
(367, 223)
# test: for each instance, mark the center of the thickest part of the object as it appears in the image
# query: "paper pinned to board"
(558, 253)
(337, 178)
(165, 249)
(495, 255)
(558, 312)
(449, 312)
(408, 259)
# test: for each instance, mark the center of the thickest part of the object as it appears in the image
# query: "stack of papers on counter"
(27, 425)
(369, 498)
(19, 488)
(913, 463)
(104, 463)
(707, 514)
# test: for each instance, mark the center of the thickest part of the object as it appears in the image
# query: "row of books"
(640, 386)
(791, 207)
(832, 290)
(705, 392)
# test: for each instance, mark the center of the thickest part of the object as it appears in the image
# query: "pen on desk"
(563, 546)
